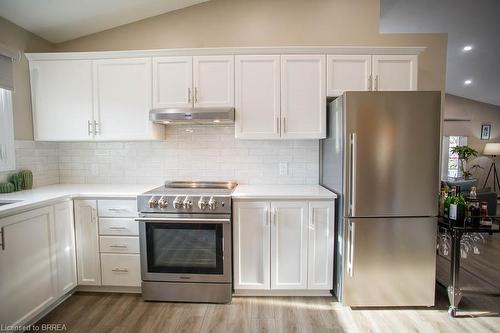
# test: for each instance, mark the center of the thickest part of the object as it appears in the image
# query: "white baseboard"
(284, 292)
(110, 289)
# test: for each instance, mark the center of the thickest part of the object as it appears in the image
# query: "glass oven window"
(184, 248)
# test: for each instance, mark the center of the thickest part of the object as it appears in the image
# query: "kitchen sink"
(8, 202)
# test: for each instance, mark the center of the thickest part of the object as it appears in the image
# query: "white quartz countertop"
(46, 195)
(282, 192)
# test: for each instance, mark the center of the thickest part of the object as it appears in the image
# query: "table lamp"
(492, 149)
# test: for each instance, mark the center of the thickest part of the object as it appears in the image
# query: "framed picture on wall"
(485, 131)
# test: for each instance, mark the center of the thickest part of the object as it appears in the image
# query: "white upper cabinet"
(7, 146)
(251, 237)
(61, 93)
(303, 96)
(348, 73)
(172, 82)
(122, 90)
(320, 245)
(289, 245)
(257, 96)
(213, 78)
(395, 72)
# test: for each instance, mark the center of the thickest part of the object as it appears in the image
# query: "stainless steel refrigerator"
(381, 156)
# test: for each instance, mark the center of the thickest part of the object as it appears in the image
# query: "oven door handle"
(181, 220)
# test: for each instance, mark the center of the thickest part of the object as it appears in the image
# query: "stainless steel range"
(185, 239)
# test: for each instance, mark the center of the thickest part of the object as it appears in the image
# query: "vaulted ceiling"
(61, 20)
(473, 28)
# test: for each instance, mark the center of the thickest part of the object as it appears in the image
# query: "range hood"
(193, 116)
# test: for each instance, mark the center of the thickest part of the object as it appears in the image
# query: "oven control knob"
(163, 203)
(153, 203)
(187, 203)
(212, 204)
(177, 202)
(202, 204)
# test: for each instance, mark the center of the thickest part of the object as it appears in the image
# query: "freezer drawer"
(390, 262)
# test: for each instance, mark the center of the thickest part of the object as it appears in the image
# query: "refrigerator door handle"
(352, 176)
(350, 257)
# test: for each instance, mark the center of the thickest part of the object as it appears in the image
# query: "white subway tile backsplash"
(201, 152)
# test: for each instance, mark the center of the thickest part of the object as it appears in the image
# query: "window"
(7, 151)
(450, 160)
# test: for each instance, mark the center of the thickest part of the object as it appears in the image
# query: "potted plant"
(464, 155)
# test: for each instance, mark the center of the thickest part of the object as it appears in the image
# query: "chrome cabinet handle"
(275, 216)
(118, 209)
(370, 78)
(268, 216)
(311, 225)
(350, 258)
(284, 124)
(277, 125)
(376, 82)
(120, 270)
(352, 175)
(97, 128)
(118, 228)
(89, 127)
(2, 237)
(196, 95)
(94, 215)
(119, 246)
(189, 95)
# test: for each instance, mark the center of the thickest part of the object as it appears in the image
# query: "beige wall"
(477, 113)
(16, 38)
(234, 23)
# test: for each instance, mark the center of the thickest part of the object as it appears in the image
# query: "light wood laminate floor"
(94, 312)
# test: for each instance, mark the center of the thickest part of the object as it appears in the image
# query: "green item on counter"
(16, 180)
(27, 179)
(6, 187)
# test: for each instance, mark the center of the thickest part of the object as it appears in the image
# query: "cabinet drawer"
(117, 208)
(121, 270)
(119, 244)
(118, 227)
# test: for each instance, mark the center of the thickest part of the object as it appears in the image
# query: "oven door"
(188, 249)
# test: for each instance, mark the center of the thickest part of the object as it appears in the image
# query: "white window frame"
(446, 172)
(7, 148)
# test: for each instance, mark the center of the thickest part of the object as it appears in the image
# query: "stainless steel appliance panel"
(391, 153)
(184, 222)
(390, 261)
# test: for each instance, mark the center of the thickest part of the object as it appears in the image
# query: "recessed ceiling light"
(216, 121)
(467, 48)
(467, 82)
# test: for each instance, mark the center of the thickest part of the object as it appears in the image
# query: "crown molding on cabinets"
(374, 50)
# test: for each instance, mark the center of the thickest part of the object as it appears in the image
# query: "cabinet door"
(213, 81)
(257, 96)
(251, 241)
(303, 97)
(320, 247)
(7, 146)
(172, 82)
(289, 245)
(61, 96)
(65, 247)
(87, 243)
(27, 266)
(122, 89)
(395, 72)
(348, 73)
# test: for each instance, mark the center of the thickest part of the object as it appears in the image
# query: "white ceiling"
(475, 23)
(61, 20)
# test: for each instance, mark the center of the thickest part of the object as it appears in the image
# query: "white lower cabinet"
(87, 243)
(289, 245)
(28, 270)
(65, 247)
(283, 245)
(121, 269)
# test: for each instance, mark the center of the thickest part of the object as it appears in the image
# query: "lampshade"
(491, 149)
